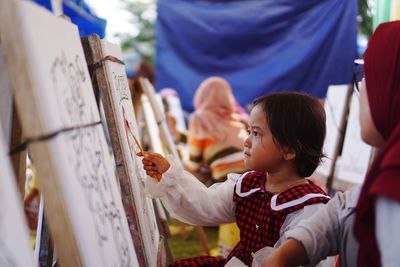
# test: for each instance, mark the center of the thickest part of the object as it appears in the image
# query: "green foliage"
(143, 18)
(365, 17)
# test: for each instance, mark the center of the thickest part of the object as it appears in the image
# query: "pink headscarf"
(382, 78)
(215, 115)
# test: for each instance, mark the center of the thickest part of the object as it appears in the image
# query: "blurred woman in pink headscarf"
(215, 140)
(216, 130)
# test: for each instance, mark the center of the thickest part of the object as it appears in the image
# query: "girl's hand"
(154, 164)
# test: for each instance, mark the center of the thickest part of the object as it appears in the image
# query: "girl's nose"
(247, 142)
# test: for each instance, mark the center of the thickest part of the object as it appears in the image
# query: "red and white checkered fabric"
(260, 216)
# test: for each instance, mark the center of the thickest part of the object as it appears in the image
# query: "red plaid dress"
(260, 216)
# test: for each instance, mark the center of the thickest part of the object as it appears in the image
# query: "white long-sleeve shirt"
(190, 201)
(330, 230)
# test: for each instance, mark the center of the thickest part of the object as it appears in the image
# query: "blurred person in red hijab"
(378, 210)
(362, 224)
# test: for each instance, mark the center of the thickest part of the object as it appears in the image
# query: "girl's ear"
(289, 154)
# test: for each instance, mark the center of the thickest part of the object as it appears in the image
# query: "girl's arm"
(185, 197)
(291, 253)
(322, 234)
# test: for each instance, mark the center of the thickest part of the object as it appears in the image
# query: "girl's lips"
(247, 154)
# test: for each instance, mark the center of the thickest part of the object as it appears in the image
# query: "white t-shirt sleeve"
(388, 230)
(290, 225)
(189, 200)
(321, 233)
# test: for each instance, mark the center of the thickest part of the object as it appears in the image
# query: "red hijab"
(382, 78)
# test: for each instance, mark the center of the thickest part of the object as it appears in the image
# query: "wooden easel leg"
(165, 254)
(44, 246)
(18, 160)
(50, 251)
(203, 239)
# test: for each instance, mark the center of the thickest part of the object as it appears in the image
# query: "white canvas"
(176, 110)
(62, 97)
(335, 107)
(356, 155)
(157, 109)
(127, 127)
(151, 125)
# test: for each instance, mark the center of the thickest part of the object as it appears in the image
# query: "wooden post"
(341, 129)
(93, 54)
(6, 99)
(109, 78)
(16, 58)
(164, 232)
(59, 116)
(168, 141)
(14, 243)
(19, 159)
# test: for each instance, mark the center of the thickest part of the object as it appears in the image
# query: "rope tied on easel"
(92, 70)
(99, 64)
(21, 147)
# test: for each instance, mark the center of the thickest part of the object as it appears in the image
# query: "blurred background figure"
(216, 131)
(146, 70)
(31, 200)
(176, 116)
(215, 143)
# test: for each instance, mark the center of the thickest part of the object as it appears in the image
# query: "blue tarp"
(80, 14)
(259, 46)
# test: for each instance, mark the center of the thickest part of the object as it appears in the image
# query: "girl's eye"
(255, 133)
(248, 131)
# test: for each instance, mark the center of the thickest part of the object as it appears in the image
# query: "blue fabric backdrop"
(259, 46)
(80, 14)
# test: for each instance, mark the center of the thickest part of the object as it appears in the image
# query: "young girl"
(362, 226)
(286, 134)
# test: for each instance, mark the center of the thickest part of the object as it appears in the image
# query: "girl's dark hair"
(297, 122)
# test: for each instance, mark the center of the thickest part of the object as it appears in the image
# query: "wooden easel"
(19, 159)
(94, 54)
(356, 156)
(14, 244)
(11, 125)
(166, 136)
(44, 245)
(162, 220)
(73, 175)
(115, 95)
(336, 107)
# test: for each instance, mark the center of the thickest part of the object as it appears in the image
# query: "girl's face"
(369, 133)
(260, 150)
